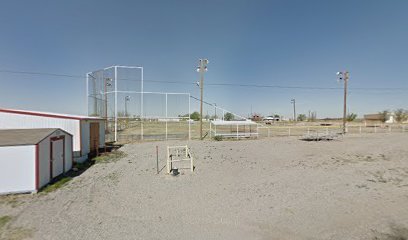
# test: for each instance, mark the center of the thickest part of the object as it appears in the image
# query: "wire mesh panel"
(116, 93)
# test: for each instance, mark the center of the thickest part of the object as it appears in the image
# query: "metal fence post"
(237, 131)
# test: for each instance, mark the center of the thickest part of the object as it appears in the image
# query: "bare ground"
(276, 188)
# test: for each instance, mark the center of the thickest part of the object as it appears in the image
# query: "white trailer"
(31, 158)
(88, 132)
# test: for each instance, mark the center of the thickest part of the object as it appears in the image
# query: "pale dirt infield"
(275, 188)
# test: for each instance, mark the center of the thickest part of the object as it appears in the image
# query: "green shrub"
(218, 138)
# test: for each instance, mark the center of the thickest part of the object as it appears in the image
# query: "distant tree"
(313, 116)
(207, 117)
(401, 115)
(351, 117)
(122, 114)
(301, 117)
(228, 116)
(195, 116)
(383, 115)
(276, 116)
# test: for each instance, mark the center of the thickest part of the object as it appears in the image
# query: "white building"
(31, 158)
(88, 132)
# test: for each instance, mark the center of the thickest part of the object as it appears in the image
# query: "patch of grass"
(109, 157)
(11, 200)
(4, 220)
(56, 185)
(218, 138)
(82, 166)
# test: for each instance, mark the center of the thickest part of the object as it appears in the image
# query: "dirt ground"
(275, 188)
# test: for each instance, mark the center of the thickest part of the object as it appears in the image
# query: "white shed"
(88, 132)
(31, 158)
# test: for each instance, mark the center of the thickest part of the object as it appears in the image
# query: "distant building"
(271, 119)
(256, 118)
(377, 117)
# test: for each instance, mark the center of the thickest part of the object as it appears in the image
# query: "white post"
(168, 160)
(389, 129)
(289, 131)
(141, 107)
(375, 128)
(87, 92)
(166, 117)
(308, 131)
(210, 129)
(268, 132)
(116, 103)
(223, 115)
(237, 131)
(360, 129)
(189, 120)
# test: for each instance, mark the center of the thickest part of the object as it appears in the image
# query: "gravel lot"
(276, 188)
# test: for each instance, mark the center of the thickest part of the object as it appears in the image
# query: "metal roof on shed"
(48, 114)
(15, 137)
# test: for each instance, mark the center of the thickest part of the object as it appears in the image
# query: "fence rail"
(301, 130)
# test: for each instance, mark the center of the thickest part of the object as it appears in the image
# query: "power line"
(215, 84)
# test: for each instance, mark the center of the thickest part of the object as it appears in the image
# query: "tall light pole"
(215, 111)
(108, 83)
(293, 101)
(201, 68)
(127, 99)
(344, 76)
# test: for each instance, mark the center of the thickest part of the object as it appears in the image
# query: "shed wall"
(17, 171)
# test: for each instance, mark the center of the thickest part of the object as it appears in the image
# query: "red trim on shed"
(52, 115)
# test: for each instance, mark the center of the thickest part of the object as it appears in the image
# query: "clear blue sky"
(289, 43)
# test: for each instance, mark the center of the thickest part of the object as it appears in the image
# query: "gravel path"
(277, 188)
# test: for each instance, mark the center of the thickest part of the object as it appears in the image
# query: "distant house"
(256, 118)
(271, 119)
(377, 117)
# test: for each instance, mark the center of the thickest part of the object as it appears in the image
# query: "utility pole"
(215, 110)
(344, 76)
(202, 67)
(293, 101)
